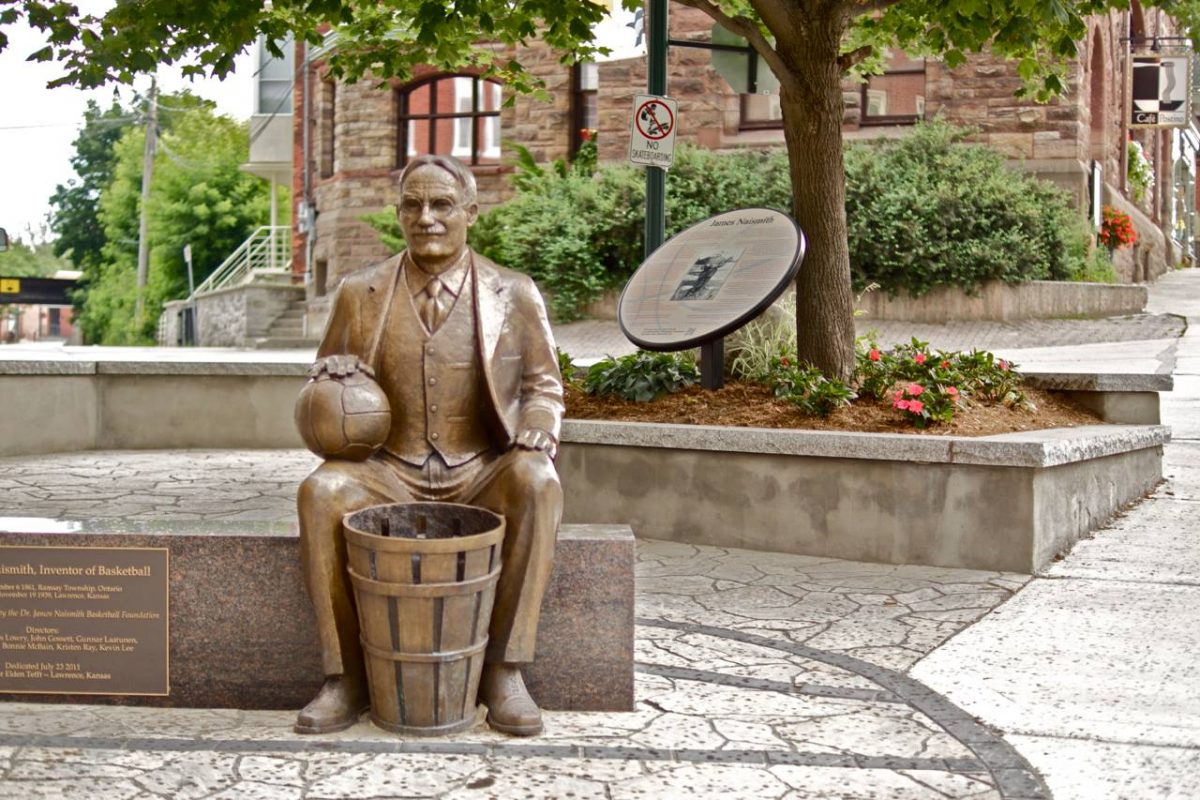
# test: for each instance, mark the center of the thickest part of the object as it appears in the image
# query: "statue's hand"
(537, 439)
(339, 366)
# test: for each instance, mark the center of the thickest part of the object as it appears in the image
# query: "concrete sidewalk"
(758, 675)
(1093, 670)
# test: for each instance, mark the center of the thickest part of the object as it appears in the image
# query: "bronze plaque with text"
(84, 620)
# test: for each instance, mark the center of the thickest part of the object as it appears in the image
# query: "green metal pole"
(656, 83)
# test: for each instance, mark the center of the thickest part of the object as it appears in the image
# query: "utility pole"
(147, 172)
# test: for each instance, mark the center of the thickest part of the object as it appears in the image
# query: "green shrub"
(566, 366)
(930, 210)
(807, 388)
(759, 344)
(642, 376)
(578, 234)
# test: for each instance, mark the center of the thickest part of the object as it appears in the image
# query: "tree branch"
(847, 61)
(745, 27)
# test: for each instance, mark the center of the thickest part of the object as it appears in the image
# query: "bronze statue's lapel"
(376, 302)
(491, 305)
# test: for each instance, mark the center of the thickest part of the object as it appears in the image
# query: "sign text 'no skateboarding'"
(652, 131)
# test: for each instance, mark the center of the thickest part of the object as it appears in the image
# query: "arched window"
(1137, 23)
(455, 115)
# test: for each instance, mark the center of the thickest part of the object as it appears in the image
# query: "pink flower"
(945, 365)
(874, 355)
(1003, 364)
(783, 362)
(901, 403)
(914, 389)
(952, 391)
(919, 358)
(915, 406)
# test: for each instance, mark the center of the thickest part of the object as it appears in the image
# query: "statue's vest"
(434, 382)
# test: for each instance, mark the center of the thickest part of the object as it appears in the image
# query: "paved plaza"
(758, 675)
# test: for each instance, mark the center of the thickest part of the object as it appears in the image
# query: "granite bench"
(242, 633)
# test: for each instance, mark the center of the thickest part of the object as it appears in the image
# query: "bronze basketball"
(345, 418)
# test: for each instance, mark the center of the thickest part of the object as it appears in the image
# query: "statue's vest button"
(433, 381)
(433, 409)
(434, 436)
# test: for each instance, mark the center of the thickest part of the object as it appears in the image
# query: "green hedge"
(930, 210)
(580, 234)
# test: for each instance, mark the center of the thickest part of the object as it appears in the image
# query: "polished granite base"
(242, 632)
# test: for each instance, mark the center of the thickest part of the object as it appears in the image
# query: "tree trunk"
(812, 121)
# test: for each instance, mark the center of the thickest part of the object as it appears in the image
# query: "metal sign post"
(656, 84)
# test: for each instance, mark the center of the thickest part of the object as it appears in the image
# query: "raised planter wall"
(1007, 502)
(1000, 301)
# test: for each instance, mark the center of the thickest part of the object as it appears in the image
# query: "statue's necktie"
(431, 308)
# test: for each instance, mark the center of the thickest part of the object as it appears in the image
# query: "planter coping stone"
(1038, 449)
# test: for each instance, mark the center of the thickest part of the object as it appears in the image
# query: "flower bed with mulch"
(744, 404)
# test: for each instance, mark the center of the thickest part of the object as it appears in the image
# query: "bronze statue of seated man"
(463, 350)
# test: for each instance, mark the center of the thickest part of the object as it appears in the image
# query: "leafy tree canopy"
(390, 38)
(198, 197)
(35, 260)
(73, 217)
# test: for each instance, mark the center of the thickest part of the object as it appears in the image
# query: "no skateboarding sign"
(652, 131)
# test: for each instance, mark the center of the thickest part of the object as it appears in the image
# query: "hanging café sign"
(1160, 87)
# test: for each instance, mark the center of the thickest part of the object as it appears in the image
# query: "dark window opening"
(328, 122)
(897, 97)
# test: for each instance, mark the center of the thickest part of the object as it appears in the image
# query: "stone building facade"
(351, 140)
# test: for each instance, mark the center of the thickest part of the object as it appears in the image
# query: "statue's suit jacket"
(517, 355)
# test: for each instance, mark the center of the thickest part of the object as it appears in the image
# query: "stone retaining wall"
(231, 317)
(1000, 301)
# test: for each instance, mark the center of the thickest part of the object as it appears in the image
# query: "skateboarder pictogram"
(654, 120)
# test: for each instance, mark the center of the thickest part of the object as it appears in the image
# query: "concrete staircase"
(287, 331)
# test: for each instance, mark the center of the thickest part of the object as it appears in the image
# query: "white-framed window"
(274, 78)
(456, 115)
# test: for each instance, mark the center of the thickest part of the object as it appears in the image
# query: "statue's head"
(437, 206)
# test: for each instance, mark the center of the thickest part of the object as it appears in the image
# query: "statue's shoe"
(336, 707)
(510, 708)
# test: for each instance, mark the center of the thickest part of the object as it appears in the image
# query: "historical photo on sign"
(707, 275)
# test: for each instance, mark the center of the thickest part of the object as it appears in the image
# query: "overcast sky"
(37, 125)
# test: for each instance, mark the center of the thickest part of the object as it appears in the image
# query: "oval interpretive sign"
(711, 279)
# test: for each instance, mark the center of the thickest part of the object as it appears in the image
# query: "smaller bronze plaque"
(84, 620)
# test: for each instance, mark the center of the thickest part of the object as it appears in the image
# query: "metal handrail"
(266, 252)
